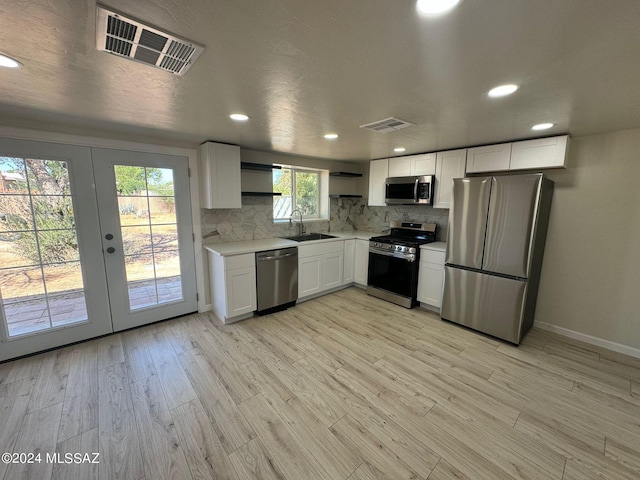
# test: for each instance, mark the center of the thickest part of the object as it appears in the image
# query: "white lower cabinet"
(239, 282)
(349, 261)
(309, 275)
(361, 272)
(332, 266)
(320, 267)
(233, 285)
(431, 277)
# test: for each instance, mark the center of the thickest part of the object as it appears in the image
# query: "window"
(302, 189)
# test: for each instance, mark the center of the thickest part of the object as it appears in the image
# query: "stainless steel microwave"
(409, 190)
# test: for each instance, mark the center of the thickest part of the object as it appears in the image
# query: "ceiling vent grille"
(387, 125)
(124, 36)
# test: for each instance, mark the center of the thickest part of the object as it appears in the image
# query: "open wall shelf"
(260, 167)
(261, 194)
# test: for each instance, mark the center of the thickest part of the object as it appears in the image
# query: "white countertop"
(252, 246)
(438, 246)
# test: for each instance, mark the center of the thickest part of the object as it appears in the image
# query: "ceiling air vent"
(124, 36)
(387, 125)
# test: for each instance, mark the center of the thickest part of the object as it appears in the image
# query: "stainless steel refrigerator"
(495, 244)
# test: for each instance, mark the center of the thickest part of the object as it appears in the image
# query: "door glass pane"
(136, 240)
(165, 237)
(162, 210)
(39, 247)
(133, 210)
(160, 182)
(152, 261)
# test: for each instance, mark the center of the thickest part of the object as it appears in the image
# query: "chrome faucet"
(300, 224)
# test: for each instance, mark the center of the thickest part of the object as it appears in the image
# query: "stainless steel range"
(394, 260)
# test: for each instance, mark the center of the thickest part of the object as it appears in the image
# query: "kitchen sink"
(309, 237)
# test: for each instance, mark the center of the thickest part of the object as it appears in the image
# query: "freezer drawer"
(489, 304)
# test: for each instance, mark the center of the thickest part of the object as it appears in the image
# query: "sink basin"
(309, 237)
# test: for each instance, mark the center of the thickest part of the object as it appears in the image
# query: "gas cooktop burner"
(409, 234)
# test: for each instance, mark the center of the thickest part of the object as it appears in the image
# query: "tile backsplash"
(255, 219)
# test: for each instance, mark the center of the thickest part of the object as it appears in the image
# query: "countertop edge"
(253, 246)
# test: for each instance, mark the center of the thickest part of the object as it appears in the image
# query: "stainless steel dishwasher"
(277, 279)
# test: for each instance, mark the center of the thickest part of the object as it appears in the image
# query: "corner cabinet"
(220, 176)
(449, 165)
(378, 173)
(233, 286)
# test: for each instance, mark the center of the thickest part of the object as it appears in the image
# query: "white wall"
(590, 280)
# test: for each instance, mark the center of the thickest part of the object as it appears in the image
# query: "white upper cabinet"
(539, 153)
(399, 167)
(378, 173)
(423, 164)
(220, 176)
(490, 158)
(449, 165)
(525, 155)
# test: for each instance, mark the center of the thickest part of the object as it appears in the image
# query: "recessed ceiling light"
(239, 117)
(435, 7)
(503, 90)
(543, 126)
(331, 136)
(399, 149)
(8, 62)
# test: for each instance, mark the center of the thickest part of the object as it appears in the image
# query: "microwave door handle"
(415, 190)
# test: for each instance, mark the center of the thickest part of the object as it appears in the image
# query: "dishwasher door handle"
(278, 257)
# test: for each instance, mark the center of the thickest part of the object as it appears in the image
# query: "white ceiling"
(304, 68)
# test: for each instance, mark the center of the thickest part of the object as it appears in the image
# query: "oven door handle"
(401, 256)
(415, 190)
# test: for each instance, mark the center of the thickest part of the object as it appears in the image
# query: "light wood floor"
(341, 387)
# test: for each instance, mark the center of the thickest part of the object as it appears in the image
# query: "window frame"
(323, 193)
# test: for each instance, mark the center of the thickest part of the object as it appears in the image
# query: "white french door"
(147, 235)
(91, 241)
(53, 287)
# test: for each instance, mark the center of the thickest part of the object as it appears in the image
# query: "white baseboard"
(206, 308)
(609, 345)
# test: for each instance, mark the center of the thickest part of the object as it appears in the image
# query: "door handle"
(111, 250)
(278, 257)
(415, 190)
